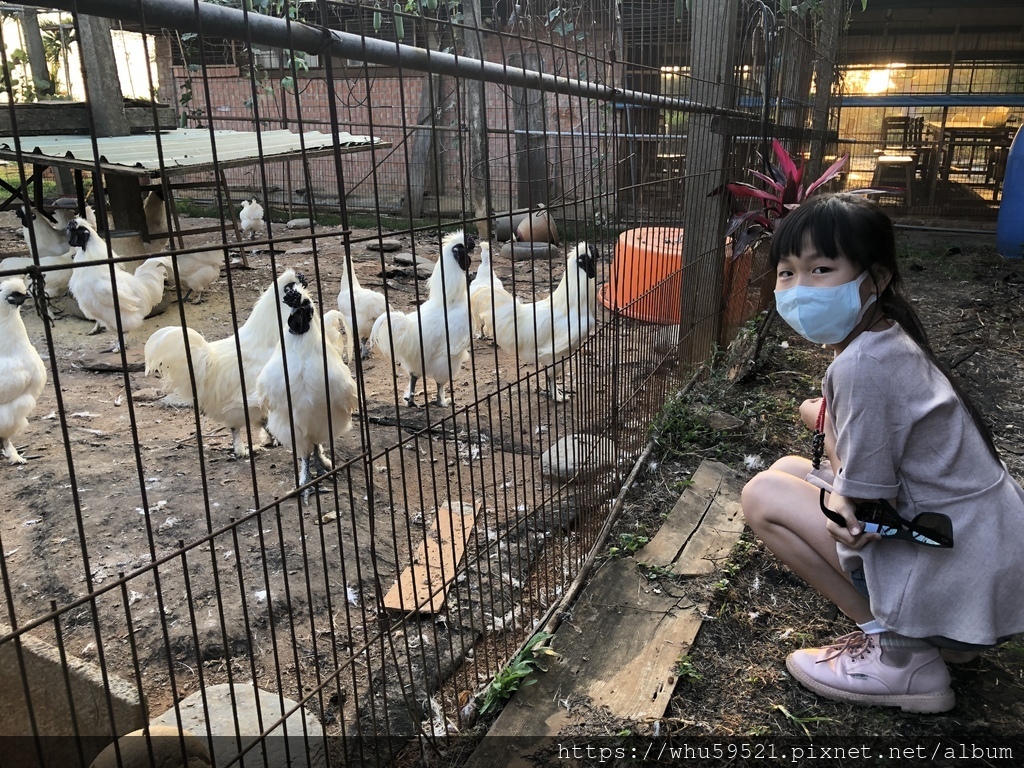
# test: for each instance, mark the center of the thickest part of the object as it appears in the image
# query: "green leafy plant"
(514, 676)
(685, 670)
(784, 189)
(628, 544)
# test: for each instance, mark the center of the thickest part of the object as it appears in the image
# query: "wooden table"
(955, 136)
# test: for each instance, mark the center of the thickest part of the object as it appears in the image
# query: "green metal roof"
(184, 150)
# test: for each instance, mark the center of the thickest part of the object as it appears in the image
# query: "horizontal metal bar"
(233, 24)
(935, 100)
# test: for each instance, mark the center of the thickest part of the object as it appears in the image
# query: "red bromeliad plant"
(784, 192)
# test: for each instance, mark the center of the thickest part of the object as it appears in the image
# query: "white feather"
(251, 217)
(480, 291)
(93, 286)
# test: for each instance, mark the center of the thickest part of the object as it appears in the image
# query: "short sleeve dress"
(902, 433)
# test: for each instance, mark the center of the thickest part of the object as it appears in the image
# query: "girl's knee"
(756, 495)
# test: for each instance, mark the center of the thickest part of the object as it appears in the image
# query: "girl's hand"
(852, 534)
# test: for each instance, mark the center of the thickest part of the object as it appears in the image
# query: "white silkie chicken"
(480, 293)
(251, 218)
(369, 305)
(218, 389)
(54, 251)
(94, 289)
(50, 239)
(197, 271)
(304, 406)
(22, 373)
(63, 215)
(433, 340)
(546, 331)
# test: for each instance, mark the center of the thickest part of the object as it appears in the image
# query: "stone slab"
(302, 746)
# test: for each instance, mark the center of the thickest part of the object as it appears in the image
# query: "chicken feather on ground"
(546, 331)
(22, 373)
(304, 407)
(369, 305)
(480, 292)
(218, 389)
(433, 340)
(94, 289)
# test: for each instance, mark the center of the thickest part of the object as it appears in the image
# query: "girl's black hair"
(855, 227)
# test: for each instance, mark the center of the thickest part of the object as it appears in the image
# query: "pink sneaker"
(857, 669)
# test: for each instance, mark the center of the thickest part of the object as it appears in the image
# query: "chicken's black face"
(23, 215)
(78, 235)
(17, 298)
(587, 261)
(300, 319)
(302, 279)
(471, 242)
(461, 254)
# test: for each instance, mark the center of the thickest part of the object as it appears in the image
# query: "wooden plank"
(620, 646)
(423, 585)
(40, 118)
(713, 494)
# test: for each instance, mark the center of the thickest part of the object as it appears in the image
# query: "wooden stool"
(895, 171)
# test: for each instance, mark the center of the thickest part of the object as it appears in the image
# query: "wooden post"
(106, 101)
(36, 54)
(712, 43)
(824, 78)
(476, 117)
(100, 69)
(530, 117)
(422, 153)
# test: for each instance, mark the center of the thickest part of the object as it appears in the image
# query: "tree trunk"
(530, 118)
(476, 118)
(36, 54)
(422, 152)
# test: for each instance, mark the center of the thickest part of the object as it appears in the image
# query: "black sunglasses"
(931, 529)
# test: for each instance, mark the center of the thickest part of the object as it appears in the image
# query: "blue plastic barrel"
(1010, 227)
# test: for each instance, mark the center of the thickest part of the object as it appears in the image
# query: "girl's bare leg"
(782, 509)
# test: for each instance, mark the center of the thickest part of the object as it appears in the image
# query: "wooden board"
(702, 526)
(423, 586)
(619, 646)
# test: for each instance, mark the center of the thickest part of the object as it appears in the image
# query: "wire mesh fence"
(425, 296)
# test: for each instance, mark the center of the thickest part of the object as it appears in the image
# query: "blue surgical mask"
(823, 315)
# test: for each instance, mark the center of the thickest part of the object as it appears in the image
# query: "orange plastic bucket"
(646, 280)
(646, 277)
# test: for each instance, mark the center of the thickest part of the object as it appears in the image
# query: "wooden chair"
(901, 156)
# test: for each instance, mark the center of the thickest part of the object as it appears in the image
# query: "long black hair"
(857, 228)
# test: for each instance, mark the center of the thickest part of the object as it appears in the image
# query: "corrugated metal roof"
(183, 148)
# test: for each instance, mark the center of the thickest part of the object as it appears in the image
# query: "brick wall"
(385, 103)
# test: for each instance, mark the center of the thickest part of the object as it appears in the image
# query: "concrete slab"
(215, 711)
(55, 691)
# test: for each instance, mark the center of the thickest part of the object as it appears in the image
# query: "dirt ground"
(269, 592)
(733, 685)
(131, 450)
